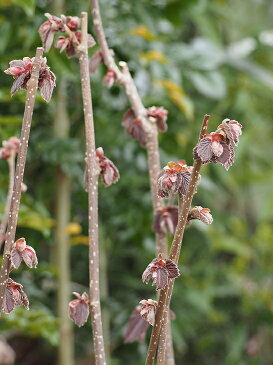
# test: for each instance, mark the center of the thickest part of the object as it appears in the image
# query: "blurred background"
(192, 57)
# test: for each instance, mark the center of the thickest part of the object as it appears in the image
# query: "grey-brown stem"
(4, 222)
(32, 86)
(166, 293)
(92, 171)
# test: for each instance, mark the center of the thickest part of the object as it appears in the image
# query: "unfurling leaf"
(160, 271)
(148, 310)
(136, 328)
(79, 309)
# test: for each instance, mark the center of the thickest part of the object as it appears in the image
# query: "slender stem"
(92, 172)
(62, 250)
(125, 79)
(32, 86)
(4, 222)
(166, 293)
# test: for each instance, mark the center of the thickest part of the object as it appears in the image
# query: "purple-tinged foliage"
(217, 146)
(160, 271)
(174, 177)
(79, 309)
(160, 114)
(203, 214)
(133, 127)
(108, 171)
(148, 310)
(136, 328)
(110, 78)
(21, 72)
(21, 251)
(14, 296)
(11, 146)
(165, 220)
(232, 129)
(66, 43)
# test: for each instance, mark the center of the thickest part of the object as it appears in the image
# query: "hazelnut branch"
(92, 187)
(4, 222)
(125, 79)
(32, 86)
(166, 293)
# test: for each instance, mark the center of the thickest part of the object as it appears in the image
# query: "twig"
(32, 86)
(125, 79)
(4, 222)
(166, 293)
(93, 174)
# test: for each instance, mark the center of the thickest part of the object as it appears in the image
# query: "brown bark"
(32, 86)
(92, 172)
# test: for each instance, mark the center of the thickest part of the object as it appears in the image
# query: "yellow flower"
(73, 228)
(143, 32)
(154, 55)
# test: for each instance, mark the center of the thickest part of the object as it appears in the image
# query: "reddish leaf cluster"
(14, 296)
(10, 147)
(174, 177)
(160, 115)
(21, 251)
(148, 310)
(136, 328)
(54, 24)
(217, 146)
(160, 271)
(79, 309)
(165, 220)
(21, 72)
(133, 126)
(203, 214)
(110, 78)
(108, 171)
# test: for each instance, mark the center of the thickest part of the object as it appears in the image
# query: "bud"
(21, 72)
(108, 171)
(165, 220)
(214, 147)
(136, 328)
(21, 251)
(148, 310)
(160, 114)
(79, 309)
(133, 127)
(174, 177)
(203, 214)
(160, 271)
(110, 78)
(14, 296)
(232, 130)
(48, 29)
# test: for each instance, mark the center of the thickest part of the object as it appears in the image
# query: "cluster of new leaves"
(200, 213)
(10, 148)
(108, 170)
(160, 271)
(21, 251)
(148, 310)
(79, 309)
(174, 177)
(110, 78)
(14, 294)
(217, 146)
(165, 220)
(134, 126)
(21, 72)
(65, 24)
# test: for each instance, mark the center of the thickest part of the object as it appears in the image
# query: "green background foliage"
(192, 57)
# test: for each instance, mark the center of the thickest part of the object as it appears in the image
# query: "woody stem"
(32, 86)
